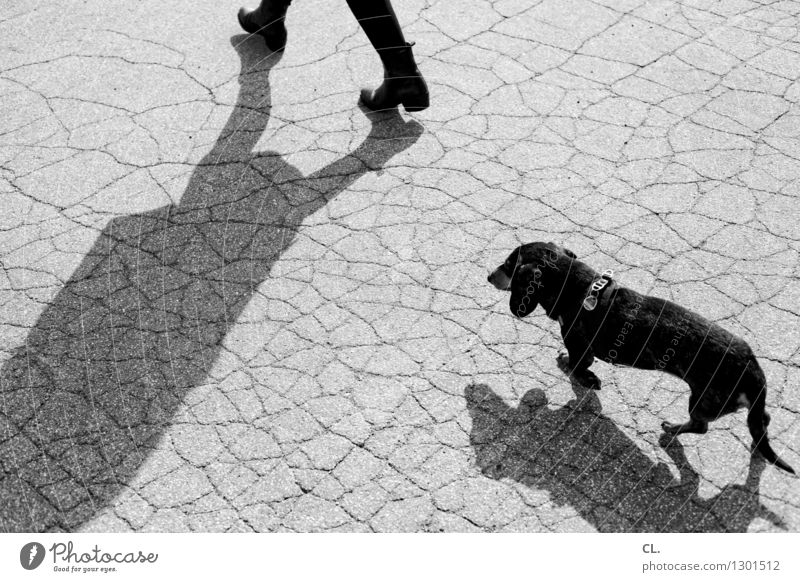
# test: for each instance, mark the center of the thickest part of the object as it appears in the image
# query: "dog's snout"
(499, 279)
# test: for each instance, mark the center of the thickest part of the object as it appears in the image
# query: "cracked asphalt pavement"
(232, 300)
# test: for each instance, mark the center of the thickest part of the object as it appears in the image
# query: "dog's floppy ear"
(567, 252)
(524, 286)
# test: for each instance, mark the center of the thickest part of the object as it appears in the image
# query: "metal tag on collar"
(590, 302)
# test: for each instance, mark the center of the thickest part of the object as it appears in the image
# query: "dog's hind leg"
(757, 421)
(697, 422)
(694, 425)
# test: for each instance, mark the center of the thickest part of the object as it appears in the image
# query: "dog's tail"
(757, 423)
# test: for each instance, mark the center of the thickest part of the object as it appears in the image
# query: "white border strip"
(407, 557)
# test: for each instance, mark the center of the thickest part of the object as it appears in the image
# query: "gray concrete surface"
(231, 300)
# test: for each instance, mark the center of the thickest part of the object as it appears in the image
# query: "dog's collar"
(597, 287)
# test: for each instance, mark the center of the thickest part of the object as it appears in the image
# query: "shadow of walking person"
(583, 460)
(142, 319)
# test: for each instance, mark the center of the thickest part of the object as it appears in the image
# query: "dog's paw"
(590, 380)
(693, 426)
(585, 378)
(669, 428)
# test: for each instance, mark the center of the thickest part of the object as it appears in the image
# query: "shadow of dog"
(580, 457)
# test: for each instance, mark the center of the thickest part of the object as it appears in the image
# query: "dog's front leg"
(578, 358)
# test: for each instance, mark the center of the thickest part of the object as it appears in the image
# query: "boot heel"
(415, 96)
(273, 13)
(412, 106)
(402, 83)
(417, 102)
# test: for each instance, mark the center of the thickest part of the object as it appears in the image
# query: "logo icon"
(31, 555)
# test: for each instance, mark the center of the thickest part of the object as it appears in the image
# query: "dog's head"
(527, 271)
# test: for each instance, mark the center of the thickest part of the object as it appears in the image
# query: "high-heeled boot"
(402, 82)
(267, 21)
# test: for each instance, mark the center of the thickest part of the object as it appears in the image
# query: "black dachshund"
(600, 318)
